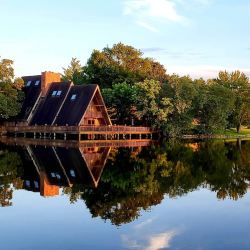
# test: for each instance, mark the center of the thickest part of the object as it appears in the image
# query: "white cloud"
(145, 11)
(150, 13)
(165, 9)
(160, 241)
(150, 242)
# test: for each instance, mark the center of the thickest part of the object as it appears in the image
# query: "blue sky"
(196, 37)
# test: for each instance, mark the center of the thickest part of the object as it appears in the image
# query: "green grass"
(232, 132)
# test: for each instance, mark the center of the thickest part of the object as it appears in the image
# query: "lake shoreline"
(215, 136)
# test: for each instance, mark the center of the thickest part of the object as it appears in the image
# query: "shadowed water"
(174, 195)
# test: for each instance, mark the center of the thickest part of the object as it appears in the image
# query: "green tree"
(121, 63)
(239, 85)
(10, 94)
(218, 103)
(120, 101)
(74, 72)
(182, 92)
(152, 108)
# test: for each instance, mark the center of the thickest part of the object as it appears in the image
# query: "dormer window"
(59, 92)
(28, 83)
(37, 83)
(54, 93)
(73, 97)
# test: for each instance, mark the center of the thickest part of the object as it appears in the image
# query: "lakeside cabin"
(61, 110)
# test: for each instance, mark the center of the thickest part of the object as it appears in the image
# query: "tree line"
(138, 91)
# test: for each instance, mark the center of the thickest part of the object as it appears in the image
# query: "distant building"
(48, 101)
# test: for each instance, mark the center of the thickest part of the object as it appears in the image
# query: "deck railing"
(76, 129)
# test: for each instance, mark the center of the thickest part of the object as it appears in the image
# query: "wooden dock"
(81, 133)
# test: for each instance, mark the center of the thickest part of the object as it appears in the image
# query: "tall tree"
(182, 92)
(74, 72)
(218, 103)
(120, 101)
(239, 85)
(153, 109)
(10, 94)
(121, 63)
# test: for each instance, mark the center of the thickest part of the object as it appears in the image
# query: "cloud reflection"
(150, 242)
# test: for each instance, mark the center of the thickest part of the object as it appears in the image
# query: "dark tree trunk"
(239, 144)
(238, 128)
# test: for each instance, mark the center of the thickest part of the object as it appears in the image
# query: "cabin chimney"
(46, 189)
(48, 78)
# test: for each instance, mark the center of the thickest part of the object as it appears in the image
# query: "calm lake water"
(169, 196)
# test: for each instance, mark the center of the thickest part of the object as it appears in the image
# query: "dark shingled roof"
(71, 159)
(48, 161)
(32, 93)
(47, 111)
(73, 110)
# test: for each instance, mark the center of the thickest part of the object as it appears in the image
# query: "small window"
(27, 182)
(59, 92)
(72, 173)
(73, 97)
(89, 122)
(36, 184)
(93, 122)
(54, 93)
(37, 83)
(28, 83)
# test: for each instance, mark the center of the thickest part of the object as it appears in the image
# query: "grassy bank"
(232, 132)
(223, 134)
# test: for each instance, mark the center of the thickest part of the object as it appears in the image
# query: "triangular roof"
(73, 111)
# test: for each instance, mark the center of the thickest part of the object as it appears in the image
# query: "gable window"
(73, 97)
(59, 92)
(37, 83)
(28, 83)
(54, 93)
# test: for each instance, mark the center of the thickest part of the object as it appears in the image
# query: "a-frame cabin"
(50, 102)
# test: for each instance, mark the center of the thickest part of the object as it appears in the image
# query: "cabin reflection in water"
(49, 168)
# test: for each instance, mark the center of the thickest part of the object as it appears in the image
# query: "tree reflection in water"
(133, 179)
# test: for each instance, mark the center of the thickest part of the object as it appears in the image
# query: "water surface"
(177, 195)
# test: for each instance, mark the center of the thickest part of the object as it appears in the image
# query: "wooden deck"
(81, 132)
(80, 129)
